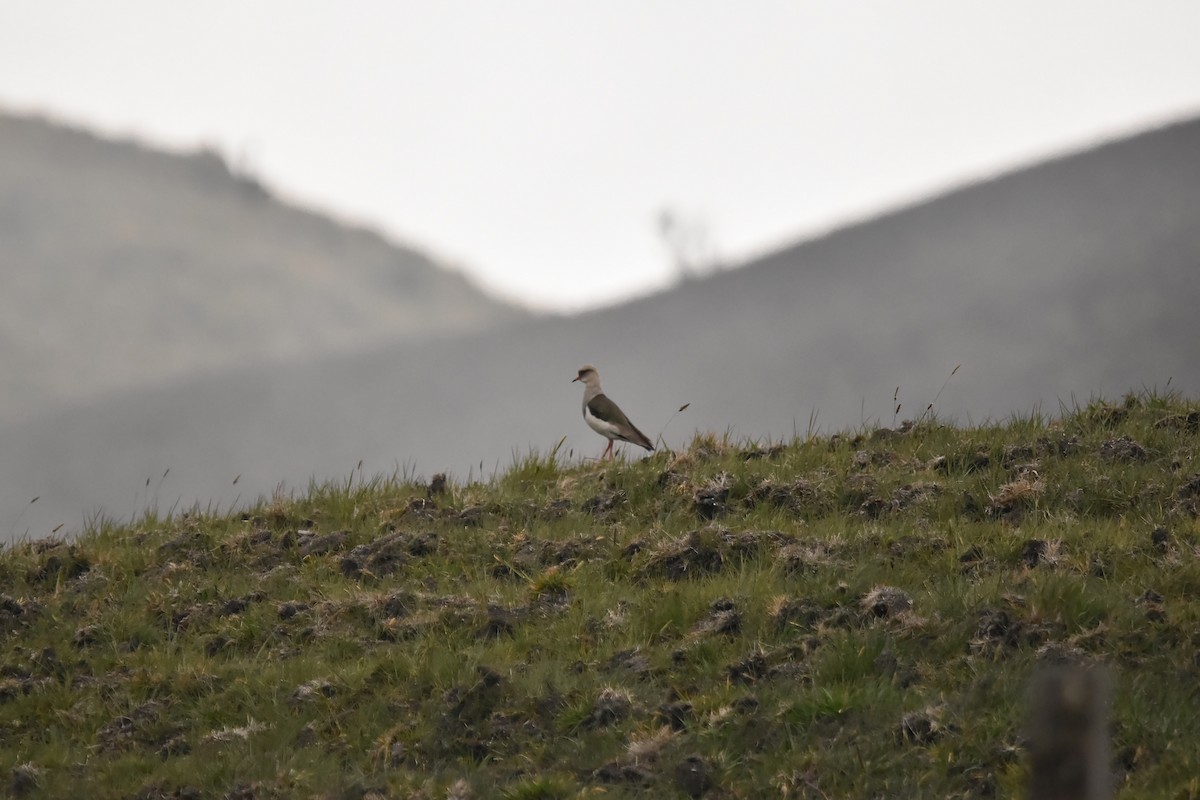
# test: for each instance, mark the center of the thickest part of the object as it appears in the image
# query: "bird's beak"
(574, 379)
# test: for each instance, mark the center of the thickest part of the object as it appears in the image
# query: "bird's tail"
(639, 438)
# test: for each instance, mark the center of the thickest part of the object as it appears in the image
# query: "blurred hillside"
(1072, 278)
(125, 267)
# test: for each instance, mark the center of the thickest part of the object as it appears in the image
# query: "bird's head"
(587, 374)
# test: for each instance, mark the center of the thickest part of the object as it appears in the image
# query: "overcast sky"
(533, 144)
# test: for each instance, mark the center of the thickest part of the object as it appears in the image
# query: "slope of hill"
(1071, 278)
(843, 616)
(125, 267)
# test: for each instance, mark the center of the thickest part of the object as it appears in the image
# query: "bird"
(604, 417)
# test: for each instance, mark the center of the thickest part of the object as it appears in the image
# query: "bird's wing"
(606, 410)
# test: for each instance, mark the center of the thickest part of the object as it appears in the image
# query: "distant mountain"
(125, 267)
(1052, 284)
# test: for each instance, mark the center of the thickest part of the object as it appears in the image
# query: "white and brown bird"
(604, 417)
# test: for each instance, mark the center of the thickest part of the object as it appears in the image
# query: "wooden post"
(1068, 734)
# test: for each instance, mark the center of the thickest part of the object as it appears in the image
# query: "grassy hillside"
(845, 616)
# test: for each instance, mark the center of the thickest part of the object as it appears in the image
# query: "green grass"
(846, 616)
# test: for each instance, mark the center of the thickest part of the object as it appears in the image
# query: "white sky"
(532, 143)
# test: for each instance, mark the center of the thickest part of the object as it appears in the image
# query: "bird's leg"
(608, 451)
